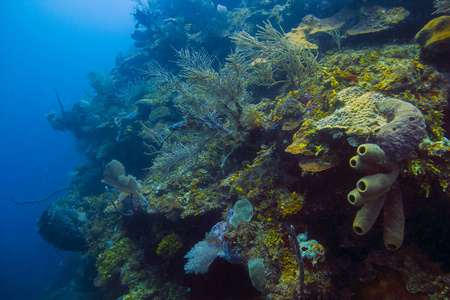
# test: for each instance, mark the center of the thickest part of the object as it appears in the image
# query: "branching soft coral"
(442, 7)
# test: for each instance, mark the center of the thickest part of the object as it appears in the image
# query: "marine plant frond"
(159, 74)
(207, 90)
(269, 33)
(234, 77)
(441, 7)
(237, 64)
(245, 42)
(180, 156)
(150, 135)
(276, 59)
(131, 90)
(195, 65)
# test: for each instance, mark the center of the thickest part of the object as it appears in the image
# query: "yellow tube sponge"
(359, 164)
(393, 219)
(370, 157)
(374, 191)
(373, 186)
(355, 198)
(367, 215)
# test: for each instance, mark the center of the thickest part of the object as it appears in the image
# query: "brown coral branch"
(298, 253)
(40, 200)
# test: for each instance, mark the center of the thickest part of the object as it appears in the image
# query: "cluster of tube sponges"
(376, 191)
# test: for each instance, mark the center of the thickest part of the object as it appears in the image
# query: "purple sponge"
(404, 131)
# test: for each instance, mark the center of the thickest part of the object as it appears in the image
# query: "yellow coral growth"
(253, 118)
(113, 260)
(273, 238)
(358, 116)
(169, 246)
(289, 273)
(290, 204)
(436, 32)
(318, 165)
(319, 250)
(299, 145)
(300, 142)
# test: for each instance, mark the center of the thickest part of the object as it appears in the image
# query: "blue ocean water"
(45, 45)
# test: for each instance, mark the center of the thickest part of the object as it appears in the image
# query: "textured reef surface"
(222, 155)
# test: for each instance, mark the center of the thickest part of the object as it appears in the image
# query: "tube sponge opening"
(370, 157)
(358, 164)
(355, 198)
(371, 152)
(373, 186)
(367, 215)
(393, 219)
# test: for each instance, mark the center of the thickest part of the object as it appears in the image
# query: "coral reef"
(227, 119)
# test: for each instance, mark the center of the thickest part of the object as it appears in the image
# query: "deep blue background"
(44, 45)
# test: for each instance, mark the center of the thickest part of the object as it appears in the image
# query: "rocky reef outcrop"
(434, 38)
(395, 125)
(63, 228)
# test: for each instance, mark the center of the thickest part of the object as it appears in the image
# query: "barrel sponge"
(256, 271)
(404, 131)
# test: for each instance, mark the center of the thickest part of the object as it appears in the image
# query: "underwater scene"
(268, 149)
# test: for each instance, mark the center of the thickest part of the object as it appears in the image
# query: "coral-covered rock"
(139, 35)
(62, 227)
(404, 131)
(434, 37)
(311, 25)
(375, 19)
(395, 125)
(347, 23)
(357, 117)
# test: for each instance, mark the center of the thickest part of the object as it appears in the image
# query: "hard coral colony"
(245, 130)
